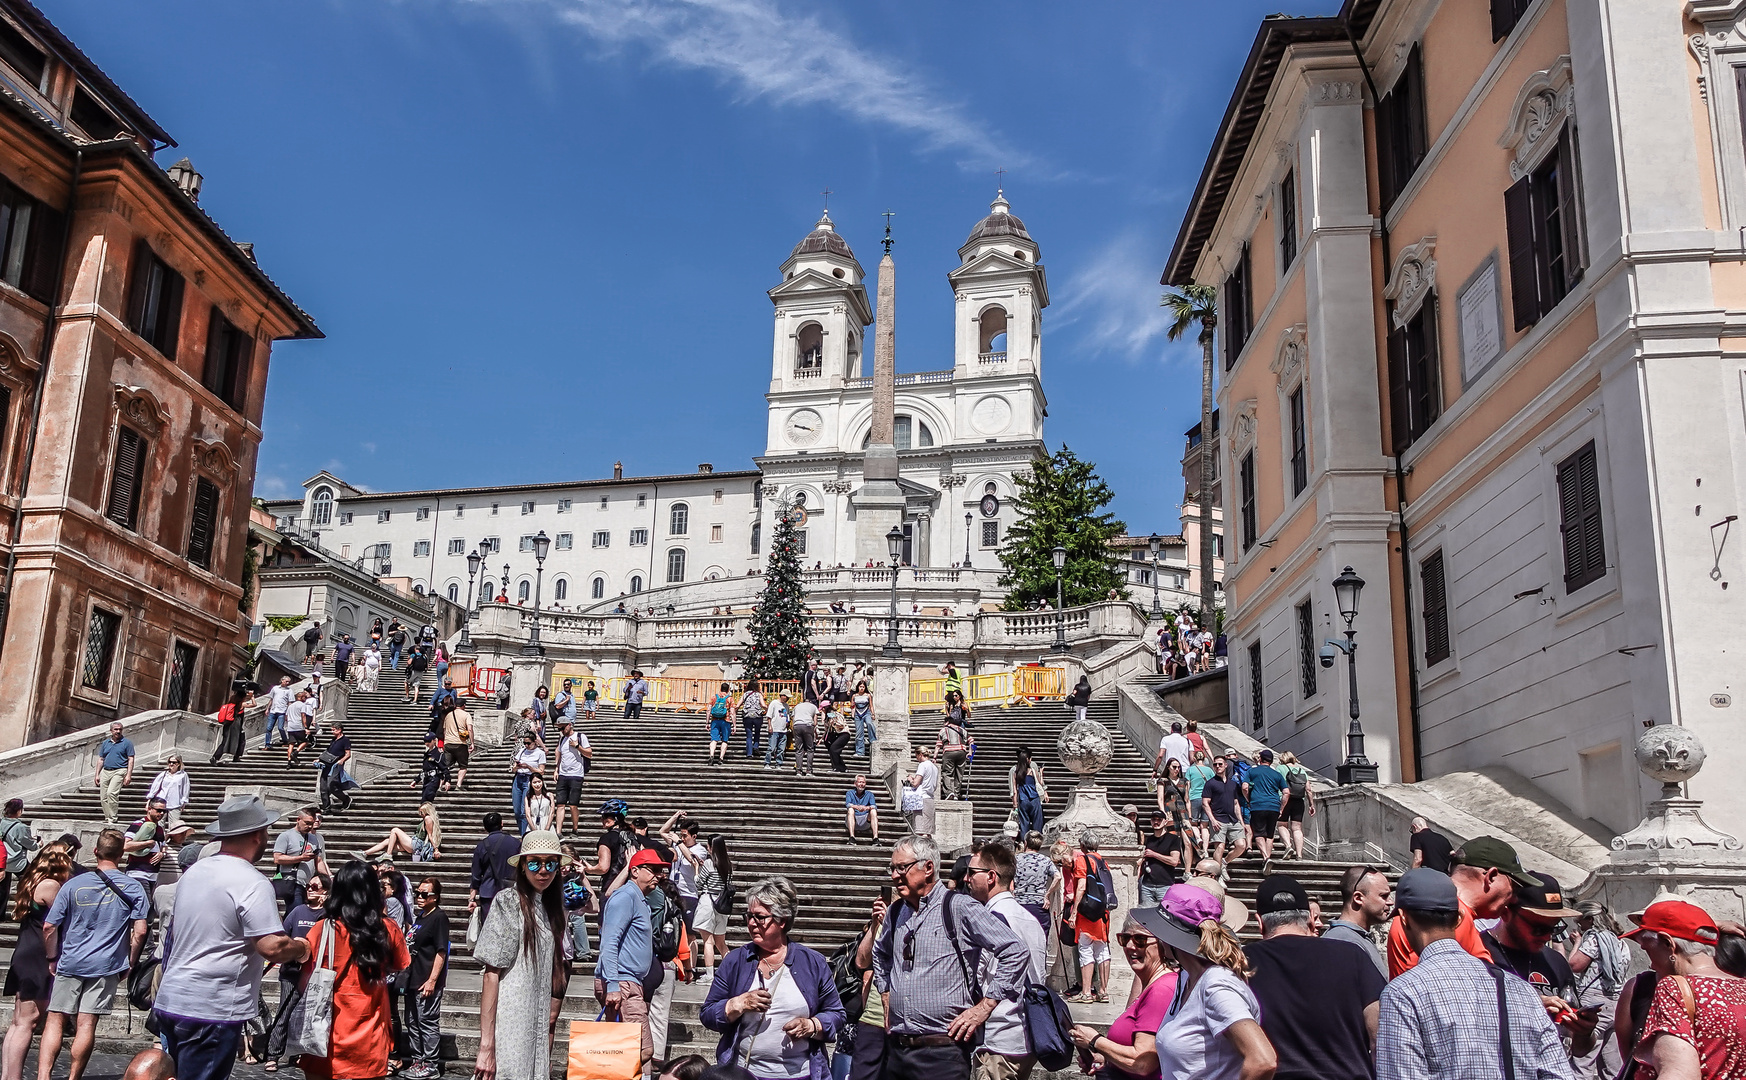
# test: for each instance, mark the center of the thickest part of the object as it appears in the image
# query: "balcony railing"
(808, 372)
(914, 378)
(992, 357)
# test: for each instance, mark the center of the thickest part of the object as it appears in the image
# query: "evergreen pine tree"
(1061, 502)
(781, 643)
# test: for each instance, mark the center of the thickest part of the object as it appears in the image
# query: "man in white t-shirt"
(227, 929)
(989, 880)
(920, 791)
(574, 754)
(279, 699)
(1173, 746)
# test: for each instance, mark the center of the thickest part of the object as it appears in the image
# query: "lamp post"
(1157, 608)
(465, 645)
(967, 520)
(894, 546)
(1356, 769)
(1060, 557)
(542, 544)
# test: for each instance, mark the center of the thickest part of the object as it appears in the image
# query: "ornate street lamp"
(894, 547)
(1157, 608)
(967, 519)
(465, 645)
(1356, 769)
(541, 544)
(1060, 557)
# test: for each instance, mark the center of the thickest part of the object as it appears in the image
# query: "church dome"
(999, 222)
(823, 239)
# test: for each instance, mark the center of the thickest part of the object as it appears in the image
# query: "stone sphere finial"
(1670, 754)
(1085, 747)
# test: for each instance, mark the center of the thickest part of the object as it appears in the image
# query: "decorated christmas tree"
(781, 643)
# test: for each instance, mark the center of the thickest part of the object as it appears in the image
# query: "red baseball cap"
(1676, 919)
(647, 857)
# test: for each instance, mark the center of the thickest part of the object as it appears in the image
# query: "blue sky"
(537, 233)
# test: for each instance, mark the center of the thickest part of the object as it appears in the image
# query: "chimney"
(247, 247)
(706, 467)
(618, 470)
(182, 174)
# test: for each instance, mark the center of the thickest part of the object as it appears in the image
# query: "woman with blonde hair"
(424, 844)
(1212, 1030)
(1291, 818)
(28, 979)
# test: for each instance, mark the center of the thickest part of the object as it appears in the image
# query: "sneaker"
(424, 1070)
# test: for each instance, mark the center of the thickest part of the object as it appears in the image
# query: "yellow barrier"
(1025, 684)
(1021, 685)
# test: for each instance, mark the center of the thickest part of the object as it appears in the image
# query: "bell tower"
(822, 314)
(1001, 291)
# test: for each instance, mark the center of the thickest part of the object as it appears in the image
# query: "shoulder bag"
(311, 1030)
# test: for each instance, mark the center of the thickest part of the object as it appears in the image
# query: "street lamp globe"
(473, 561)
(1152, 545)
(1060, 556)
(1346, 589)
(543, 543)
(894, 543)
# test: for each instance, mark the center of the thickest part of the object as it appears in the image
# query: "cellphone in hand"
(885, 893)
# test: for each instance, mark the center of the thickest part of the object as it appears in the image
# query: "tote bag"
(311, 1029)
(605, 1051)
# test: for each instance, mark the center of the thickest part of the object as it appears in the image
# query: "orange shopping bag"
(604, 1051)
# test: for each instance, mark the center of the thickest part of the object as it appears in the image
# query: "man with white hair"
(1430, 847)
(928, 961)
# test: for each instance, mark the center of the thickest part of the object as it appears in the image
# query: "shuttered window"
(1436, 609)
(1306, 647)
(126, 476)
(183, 660)
(1415, 391)
(1400, 130)
(30, 236)
(1246, 483)
(1287, 221)
(228, 352)
(1505, 14)
(1579, 519)
(1237, 318)
(155, 308)
(1299, 444)
(204, 527)
(1257, 695)
(1543, 217)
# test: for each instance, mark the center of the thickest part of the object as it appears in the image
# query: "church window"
(839, 272)
(561, 590)
(602, 538)
(907, 433)
(566, 541)
(901, 435)
(757, 536)
(990, 488)
(639, 538)
(678, 520)
(524, 590)
(321, 506)
(809, 349)
(993, 335)
(597, 588)
(800, 541)
(990, 534)
(675, 566)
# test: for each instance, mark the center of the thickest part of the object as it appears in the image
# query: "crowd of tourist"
(1184, 648)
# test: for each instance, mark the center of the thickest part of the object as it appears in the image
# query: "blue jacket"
(811, 973)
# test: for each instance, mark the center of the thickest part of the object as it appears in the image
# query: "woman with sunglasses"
(1129, 1051)
(297, 924)
(171, 785)
(774, 1001)
(365, 949)
(1212, 1029)
(519, 946)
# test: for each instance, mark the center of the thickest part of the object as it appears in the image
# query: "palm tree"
(1189, 305)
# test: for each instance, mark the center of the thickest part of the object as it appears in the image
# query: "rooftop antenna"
(889, 214)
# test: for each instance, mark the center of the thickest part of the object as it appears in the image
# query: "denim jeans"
(289, 993)
(201, 1050)
(394, 657)
(579, 936)
(275, 720)
(519, 788)
(423, 1032)
(777, 748)
(1151, 895)
(865, 736)
(754, 733)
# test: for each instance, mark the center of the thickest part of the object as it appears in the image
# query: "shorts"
(707, 920)
(1223, 833)
(1197, 812)
(457, 754)
(1264, 823)
(1092, 951)
(73, 995)
(1294, 810)
(569, 792)
(721, 729)
(588, 708)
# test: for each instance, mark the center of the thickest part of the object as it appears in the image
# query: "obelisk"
(879, 502)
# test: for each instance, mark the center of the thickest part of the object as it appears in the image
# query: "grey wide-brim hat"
(241, 815)
(1167, 928)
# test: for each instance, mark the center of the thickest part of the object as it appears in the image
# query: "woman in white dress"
(372, 667)
(540, 806)
(518, 946)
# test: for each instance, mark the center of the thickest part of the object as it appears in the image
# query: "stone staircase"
(776, 822)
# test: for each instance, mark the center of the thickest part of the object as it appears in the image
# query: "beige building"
(1483, 291)
(134, 340)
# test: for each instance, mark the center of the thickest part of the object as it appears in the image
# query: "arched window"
(990, 489)
(993, 335)
(598, 589)
(679, 520)
(321, 506)
(454, 593)
(419, 588)
(757, 536)
(486, 592)
(561, 590)
(675, 566)
(907, 433)
(636, 583)
(524, 590)
(809, 348)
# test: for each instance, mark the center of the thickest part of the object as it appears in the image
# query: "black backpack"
(669, 930)
(1099, 890)
(1297, 781)
(848, 978)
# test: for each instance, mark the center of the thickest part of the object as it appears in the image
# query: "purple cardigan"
(812, 976)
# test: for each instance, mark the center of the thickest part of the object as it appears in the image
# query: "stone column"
(891, 753)
(526, 674)
(879, 504)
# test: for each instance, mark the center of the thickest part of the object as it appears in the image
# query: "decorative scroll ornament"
(952, 480)
(1414, 278)
(1243, 430)
(216, 460)
(771, 491)
(1542, 105)
(837, 487)
(140, 409)
(1293, 345)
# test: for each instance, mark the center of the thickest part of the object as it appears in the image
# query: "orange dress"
(363, 1032)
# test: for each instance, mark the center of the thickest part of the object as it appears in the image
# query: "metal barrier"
(485, 680)
(1024, 684)
(1021, 685)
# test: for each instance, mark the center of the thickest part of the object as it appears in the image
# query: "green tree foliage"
(781, 643)
(1061, 502)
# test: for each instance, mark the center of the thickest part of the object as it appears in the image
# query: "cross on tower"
(1000, 179)
(827, 198)
(888, 215)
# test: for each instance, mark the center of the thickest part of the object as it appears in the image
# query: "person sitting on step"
(424, 843)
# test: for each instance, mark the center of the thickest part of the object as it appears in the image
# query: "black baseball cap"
(1280, 892)
(1544, 898)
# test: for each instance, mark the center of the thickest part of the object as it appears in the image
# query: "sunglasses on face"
(425, 894)
(1135, 941)
(542, 866)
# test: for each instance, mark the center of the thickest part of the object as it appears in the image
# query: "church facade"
(960, 435)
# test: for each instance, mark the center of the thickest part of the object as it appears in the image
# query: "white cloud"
(1112, 301)
(272, 487)
(369, 447)
(787, 58)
